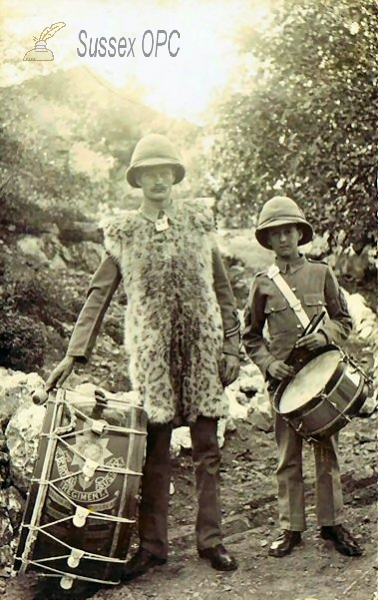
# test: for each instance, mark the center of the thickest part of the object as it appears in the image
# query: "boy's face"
(284, 241)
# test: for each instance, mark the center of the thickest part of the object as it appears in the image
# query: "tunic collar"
(291, 267)
(151, 213)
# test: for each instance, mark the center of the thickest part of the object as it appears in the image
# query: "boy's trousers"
(328, 490)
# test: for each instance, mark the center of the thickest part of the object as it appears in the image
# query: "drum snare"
(326, 393)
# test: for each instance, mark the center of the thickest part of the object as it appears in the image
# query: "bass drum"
(82, 503)
(323, 397)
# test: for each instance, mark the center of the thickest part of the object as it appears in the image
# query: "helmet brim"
(261, 233)
(178, 168)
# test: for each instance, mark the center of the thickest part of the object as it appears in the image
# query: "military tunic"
(316, 287)
(271, 331)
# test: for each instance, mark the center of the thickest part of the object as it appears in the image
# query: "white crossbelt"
(294, 302)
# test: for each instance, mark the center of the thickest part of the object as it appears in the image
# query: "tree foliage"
(305, 123)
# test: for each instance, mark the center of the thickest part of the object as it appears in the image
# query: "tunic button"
(293, 289)
(299, 326)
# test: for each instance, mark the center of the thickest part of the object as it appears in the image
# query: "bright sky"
(181, 86)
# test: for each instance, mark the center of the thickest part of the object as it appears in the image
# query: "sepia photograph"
(188, 300)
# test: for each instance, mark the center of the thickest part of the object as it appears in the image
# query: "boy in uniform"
(282, 227)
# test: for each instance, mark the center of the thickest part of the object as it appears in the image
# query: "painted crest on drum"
(71, 462)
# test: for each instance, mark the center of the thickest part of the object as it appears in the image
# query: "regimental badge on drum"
(81, 467)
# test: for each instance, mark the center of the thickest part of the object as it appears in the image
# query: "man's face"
(284, 241)
(156, 182)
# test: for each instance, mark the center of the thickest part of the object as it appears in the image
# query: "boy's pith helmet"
(281, 210)
(153, 150)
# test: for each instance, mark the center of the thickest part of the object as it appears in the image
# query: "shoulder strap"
(294, 302)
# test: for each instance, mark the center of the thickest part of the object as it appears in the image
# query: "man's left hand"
(229, 369)
(312, 342)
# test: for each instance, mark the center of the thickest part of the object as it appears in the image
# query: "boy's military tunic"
(316, 287)
(271, 331)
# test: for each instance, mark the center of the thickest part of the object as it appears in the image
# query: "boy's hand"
(60, 373)
(312, 342)
(279, 370)
(229, 368)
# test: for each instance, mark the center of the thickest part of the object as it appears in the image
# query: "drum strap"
(294, 302)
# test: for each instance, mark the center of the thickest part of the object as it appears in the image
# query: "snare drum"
(82, 502)
(324, 395)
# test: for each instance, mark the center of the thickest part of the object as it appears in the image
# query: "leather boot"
(342, 538)
(219, 558)
(285, 543)
(140, 563)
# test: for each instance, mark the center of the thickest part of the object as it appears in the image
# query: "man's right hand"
(279, 370)
(60, 373)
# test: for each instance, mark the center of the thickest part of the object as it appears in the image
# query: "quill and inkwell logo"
(40, 51)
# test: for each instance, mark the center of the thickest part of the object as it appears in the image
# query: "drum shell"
(58, 486)
(331, 410)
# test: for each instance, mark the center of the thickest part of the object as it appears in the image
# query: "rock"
(84, 255)
(221, 432)
(364, 318)
(236, 410)
(11, 512)
(356, 266)
(6, 555)
(81, 231)
(249, 385)
(261, 416)
(57, 263)
(15, 388)
(32, 246)
(6, 529)
(180, 439)
(251, 372)
(364, 438)
(22, 434)
(3, 442)
(11, 499)
(4, 469)
(369, 407)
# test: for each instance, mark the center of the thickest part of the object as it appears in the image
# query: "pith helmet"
(281, 210)
(153, 150)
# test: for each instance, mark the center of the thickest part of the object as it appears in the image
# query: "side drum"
(323, 397)
(82, 503)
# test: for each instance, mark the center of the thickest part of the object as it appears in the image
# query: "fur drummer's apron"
(173, 325)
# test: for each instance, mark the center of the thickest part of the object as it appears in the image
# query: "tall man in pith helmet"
(182, 336)
(283, 228)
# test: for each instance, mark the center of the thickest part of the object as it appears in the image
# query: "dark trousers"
(153, 509)
(291, 498)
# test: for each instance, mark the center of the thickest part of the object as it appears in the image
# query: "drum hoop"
(344, 414)
(51, 572)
